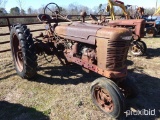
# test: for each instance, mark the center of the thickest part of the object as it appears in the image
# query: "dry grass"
(62, 92)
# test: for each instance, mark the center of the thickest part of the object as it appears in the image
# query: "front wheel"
(137, 48)
(107, 97)
(23, 51)
(151, 32)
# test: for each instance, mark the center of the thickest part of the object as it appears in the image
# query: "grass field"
(62, 92)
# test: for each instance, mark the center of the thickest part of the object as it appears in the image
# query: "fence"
(8, 24)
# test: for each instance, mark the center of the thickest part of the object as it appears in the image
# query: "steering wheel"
(52, 9)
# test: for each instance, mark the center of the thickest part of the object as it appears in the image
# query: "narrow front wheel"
(107, 97)
(137, 48)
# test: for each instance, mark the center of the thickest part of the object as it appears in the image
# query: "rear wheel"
(107, 97)
(137, 48)
(23, 51)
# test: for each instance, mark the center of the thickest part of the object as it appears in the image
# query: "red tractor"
(137, 26)
(96, 48)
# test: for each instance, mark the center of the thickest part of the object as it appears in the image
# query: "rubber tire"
(28, 51)
(154, 32)
(115, 93)
(142, 46)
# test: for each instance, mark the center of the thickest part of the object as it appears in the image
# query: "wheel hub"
(135, 48)
(17, 52)
(103, 99)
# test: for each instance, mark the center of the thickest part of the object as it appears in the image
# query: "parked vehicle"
(96, 48)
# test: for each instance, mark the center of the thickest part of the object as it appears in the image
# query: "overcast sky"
(90, 3)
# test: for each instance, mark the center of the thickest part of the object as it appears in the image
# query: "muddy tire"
(23, 51)
(137, 48)
(107, 97)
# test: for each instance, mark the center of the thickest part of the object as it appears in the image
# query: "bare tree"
(3, 3)
(156, 5)
(101, 9)
(72, 9)
(21, 4)
(150, 11)
(29, 10)
(76, 9)
(2, 7)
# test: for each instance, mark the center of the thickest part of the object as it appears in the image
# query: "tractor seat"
(120, 2)
(43, 17)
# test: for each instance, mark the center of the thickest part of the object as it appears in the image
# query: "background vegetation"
(72, 9)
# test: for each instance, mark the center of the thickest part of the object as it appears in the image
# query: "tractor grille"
(117, 54)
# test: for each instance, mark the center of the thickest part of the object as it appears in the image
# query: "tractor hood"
(88, 33)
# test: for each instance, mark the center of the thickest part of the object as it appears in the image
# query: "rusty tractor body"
(136, 25)
(96, 48)
(102, 55)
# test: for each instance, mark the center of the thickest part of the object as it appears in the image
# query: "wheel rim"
(103, 99)
(150, 33)
(136, 49)
(17, 53)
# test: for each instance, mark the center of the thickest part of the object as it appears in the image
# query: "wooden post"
(8, 24)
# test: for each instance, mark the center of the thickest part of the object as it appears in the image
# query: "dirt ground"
(63, 92)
